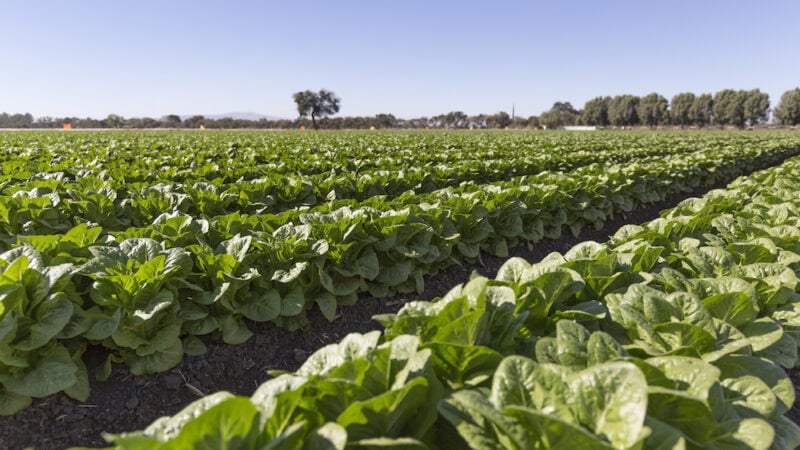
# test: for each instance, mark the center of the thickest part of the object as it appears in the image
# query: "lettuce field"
(215, 290)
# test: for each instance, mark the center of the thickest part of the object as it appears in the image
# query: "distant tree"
(316, 104)
(172, 120)
(453, 119)
(623, 111)
(114, 121)
(16, 120)
(284, 123)
(479, 121)
(702, 111)
(519, 122)
(533, 122)
(194, 122)
(681, 109)
(149, 122)
(756, 106)
(499, 120)
(652, 110)
(729, 108)
(385, 121)
(788, 111)
(550, 119)
(44, 122)
(560, 115)
(417, 122)
(595, 112)
(564, 107)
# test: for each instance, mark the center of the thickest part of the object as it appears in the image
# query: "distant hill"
(235, 115)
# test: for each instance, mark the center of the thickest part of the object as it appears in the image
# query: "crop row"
(168, 163)
(89, 197)
(672, 335)
(152, 158)
(63, 199)
(149, 294)
(43, 210)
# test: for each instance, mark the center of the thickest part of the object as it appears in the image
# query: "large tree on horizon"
(560, 115)
(788, 111)
(681, 109)
(756, 106)
(623, 111)
(729, 108)
(595, 112)
(702, 110)
(316, 104)
(653, 110)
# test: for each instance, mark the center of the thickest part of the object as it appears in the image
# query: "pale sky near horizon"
(412, 58)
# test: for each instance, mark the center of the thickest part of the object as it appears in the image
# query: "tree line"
(455, 119)
(728, 107)
(739, 108)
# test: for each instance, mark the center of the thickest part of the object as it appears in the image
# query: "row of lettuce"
(672, 335)
(150, 295)
(151, 158)
(53, 201)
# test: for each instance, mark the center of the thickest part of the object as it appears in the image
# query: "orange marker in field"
(67, 126)
(302, 128)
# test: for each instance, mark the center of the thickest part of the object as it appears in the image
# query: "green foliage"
(674, 334)
(623, 111)
(652, 110)
(560, 115)
(756, 107)
(788, 111)
(316, 104)
(740, 107)
(702, 110)
(162, 249)
(38, 317)
(681, 109)
(595, 112)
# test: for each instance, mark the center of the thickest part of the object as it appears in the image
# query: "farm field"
(144, 265)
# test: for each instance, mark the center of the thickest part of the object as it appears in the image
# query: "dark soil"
(126, 402)
(794, 413)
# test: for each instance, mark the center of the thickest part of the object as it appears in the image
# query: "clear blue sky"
(410, 58)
